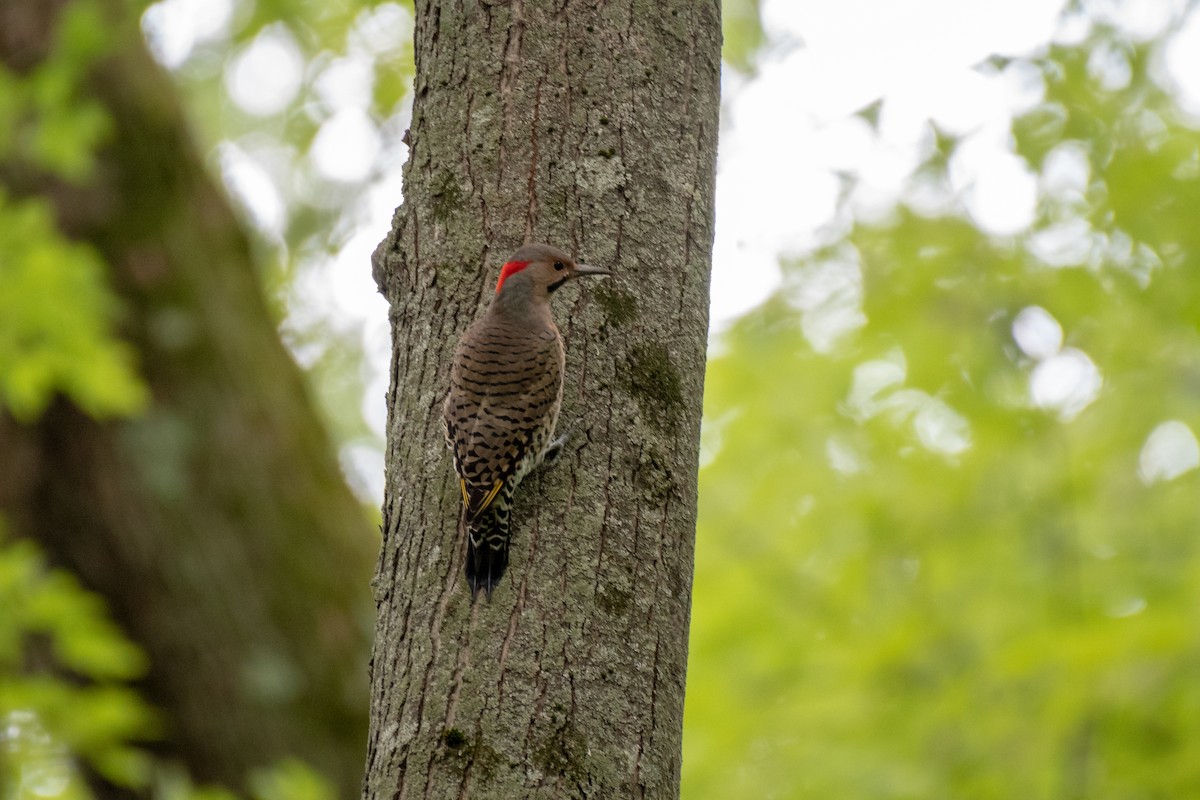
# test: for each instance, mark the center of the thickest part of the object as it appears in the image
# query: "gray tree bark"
(591, 125)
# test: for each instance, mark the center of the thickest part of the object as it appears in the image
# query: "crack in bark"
(464, 660)
(435, 641)
(540, 704)
(654, 687)
(604, 522)
(466, 778)
(510, 67)
(639, 791)
(518, 607)
(531, 209)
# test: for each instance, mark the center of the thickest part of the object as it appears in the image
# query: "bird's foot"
(554, 450)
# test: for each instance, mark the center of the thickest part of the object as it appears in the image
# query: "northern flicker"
(506, 386)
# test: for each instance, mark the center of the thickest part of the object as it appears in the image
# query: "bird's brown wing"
(505, 386)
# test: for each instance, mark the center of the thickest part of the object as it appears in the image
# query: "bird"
(506, 389)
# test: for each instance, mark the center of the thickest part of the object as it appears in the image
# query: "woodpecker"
(506, 387)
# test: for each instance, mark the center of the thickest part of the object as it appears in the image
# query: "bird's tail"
(487, 550)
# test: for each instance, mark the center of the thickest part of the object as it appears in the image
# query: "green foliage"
(914, 581)
(741, 25)
(321, 212)
(290, 780)
(56, 315)
(64, 669)
(46, 120)
(56, 312)
(287, 780)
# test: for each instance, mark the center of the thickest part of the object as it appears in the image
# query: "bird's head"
(536, 271)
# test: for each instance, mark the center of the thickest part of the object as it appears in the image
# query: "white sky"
(785, 133)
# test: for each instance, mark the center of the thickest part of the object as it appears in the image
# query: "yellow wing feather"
(487, 500)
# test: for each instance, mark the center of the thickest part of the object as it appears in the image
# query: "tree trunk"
(592, 126)
(218, 526)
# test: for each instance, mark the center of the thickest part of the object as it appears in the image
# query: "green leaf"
(741, 24)
(56, 322)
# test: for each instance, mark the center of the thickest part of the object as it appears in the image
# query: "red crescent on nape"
(510, 269)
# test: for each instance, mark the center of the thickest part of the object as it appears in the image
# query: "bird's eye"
(558, 265)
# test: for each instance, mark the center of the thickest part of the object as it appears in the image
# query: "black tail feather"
(487, 552)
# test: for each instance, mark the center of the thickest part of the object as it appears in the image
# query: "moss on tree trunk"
(592, 126)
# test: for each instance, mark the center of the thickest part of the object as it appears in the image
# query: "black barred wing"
(505, 390)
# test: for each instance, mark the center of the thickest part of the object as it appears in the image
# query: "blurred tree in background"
(301, 107)
(949, 505)
(157, 439)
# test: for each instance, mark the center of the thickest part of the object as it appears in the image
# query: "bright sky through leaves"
(947, 548)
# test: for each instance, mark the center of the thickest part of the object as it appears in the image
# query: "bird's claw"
(554, 449)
